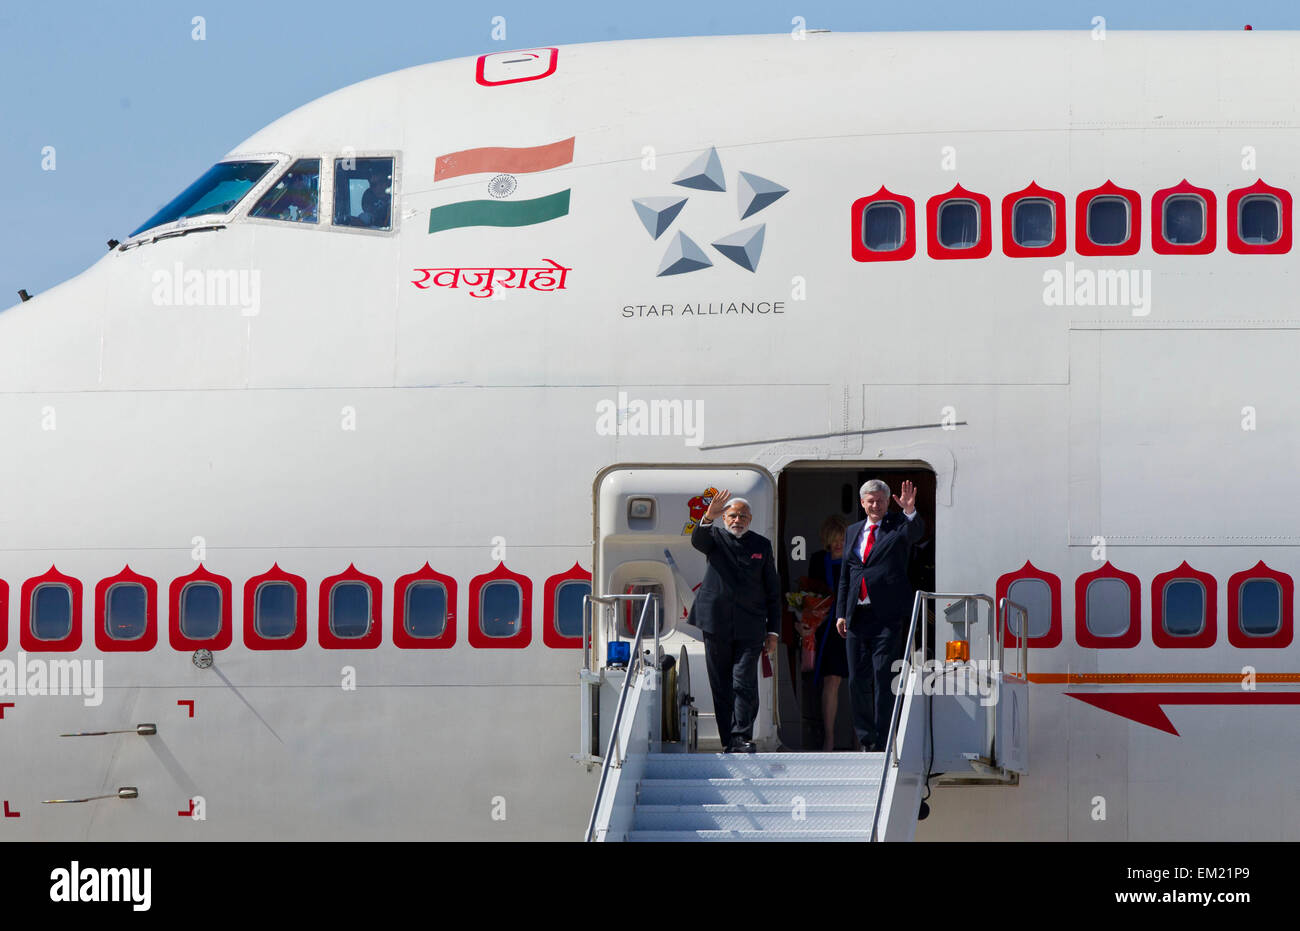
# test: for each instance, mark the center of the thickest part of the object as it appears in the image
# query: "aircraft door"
(644, 519)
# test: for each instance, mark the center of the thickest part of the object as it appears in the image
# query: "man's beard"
(738, 532)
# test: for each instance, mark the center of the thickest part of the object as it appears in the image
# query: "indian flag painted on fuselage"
(503, 208)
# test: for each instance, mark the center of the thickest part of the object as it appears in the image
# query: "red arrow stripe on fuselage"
(1144, 707)
(513, 161)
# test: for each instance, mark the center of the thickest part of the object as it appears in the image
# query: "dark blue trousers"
(733, 680)
(872, 646)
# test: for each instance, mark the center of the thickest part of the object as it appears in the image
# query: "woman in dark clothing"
(832, 663)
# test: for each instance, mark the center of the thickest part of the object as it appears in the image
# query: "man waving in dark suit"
(738, 602)
(874, 603)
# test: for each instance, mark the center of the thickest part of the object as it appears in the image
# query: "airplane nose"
(52, 340)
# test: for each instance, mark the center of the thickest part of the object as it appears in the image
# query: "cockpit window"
(363, 192)
(295, 196)
(218, 191)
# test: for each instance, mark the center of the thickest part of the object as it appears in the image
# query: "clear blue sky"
(136, 109)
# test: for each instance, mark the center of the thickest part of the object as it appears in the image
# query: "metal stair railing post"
(634, 665)
(1022, 656)
(904, 676)
(991, 710)
(1022, 645)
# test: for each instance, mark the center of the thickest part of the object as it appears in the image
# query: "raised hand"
(717, 505)
(906, 497)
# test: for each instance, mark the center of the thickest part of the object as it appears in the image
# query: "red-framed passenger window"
(1039, 593)
(126, 613)
(4, 614)
(884, 227)
(1180, 214)
(1105, 214)
(200, 607)
(1184, 608)
(1259, 220)
(51, 613)
(562, 600)
(1260, 605)
(1107, 609)
(275, 610)
(500, 609)
(424, 610)
(351, 611)
(1033, 222)
(959, 225)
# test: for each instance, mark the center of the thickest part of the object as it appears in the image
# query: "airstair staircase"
(760, 797)
(955, 721)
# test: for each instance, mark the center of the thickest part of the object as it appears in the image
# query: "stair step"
(749, 836)
(764, 765)
(760, 791)
(778, 818)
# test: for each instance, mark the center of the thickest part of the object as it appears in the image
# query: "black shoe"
(741, 745)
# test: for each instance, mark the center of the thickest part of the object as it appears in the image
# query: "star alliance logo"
(744, 246)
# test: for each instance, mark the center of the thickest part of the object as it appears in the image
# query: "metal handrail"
(891, 751)
(634, 663)
(1022, 639)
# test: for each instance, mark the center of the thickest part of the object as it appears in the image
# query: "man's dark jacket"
(740, 598)
(888, 587)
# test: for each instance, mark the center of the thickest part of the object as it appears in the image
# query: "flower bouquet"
(811, 609)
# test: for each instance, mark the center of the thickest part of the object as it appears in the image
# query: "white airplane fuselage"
(337, 413)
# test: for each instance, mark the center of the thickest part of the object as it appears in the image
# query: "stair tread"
(782, 755)
(763, 781)
(762, 767)
(749, 835)
(756, 807)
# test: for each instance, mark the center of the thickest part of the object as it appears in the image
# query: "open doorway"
(808, 493)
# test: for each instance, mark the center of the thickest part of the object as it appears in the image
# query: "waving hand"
(906, 497)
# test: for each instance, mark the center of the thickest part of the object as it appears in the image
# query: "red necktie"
(866, 551)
